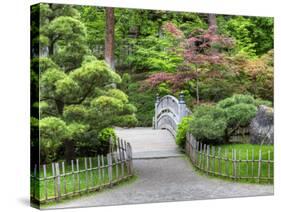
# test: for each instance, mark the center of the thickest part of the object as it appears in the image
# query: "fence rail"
(58, 180)
(230, 164)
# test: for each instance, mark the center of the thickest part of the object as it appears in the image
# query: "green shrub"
(127, 121)
(52, 132)
(104, 137)
(239, 110)
(208, 123)
(182, 129)
(107, 133)
(218, 123)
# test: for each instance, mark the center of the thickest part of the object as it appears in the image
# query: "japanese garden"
(124, 99)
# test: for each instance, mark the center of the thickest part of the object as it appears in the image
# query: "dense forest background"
(102, 67)
(149, 57)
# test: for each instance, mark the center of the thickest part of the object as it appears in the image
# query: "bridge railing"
(169, 112)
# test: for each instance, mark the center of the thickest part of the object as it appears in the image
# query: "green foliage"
(106, 134)
(81, 95)
(240, 114)
(183, 127)
(164, 89)
(236, 99)
(76, 89)
(156, 54)
(52, 131)
(143, 100)
(239, 110)
(116, 110)
(127, 121)
(64, 35)
(76, 130)
(208, 123)
(254, 35)
(216, 123)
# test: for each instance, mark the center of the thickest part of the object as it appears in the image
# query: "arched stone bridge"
(169, 112)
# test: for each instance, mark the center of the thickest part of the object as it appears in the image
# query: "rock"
(261, 127)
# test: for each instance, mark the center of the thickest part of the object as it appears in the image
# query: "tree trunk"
(197, 86)
(226, 136)
(69, 150)
(60, 107)
(212, 21)
(213, 27)
(109, 37)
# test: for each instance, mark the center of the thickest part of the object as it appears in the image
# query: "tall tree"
(212, 22)
(74, 92)
(109, 37)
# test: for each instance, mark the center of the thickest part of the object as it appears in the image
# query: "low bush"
(182, 130)
(208, 123)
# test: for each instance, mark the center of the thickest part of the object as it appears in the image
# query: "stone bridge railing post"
(182, 107)
(156, 112)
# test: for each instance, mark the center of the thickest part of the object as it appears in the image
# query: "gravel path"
(169, 177)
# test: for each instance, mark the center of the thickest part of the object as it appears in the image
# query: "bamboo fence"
(230, 163)
(116, 166)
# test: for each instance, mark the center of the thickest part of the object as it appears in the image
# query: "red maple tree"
(201, 50)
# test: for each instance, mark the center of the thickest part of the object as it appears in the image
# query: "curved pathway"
(164, 175)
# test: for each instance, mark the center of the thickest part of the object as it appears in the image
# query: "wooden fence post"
(226, 162)
(208, 154)
(235, 164)
(64, 177)
(99, 169)
(73, 176)
(253, 159)
(219, 161)
(119, 149)
(102, 168)
(58, 180)
(45, 182)
(239, 164)
(86, 174)
(196, 154)
(122, 160)
(268, 164)
(54, 178)
(91, 172)
(247, 162)
(116, 167)
(232, 160)
(123, 150)
(78, 172)
(109, 163)
(130, 158)
(200, 152)
(259, 165)
(214, 159)
(205, 158)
